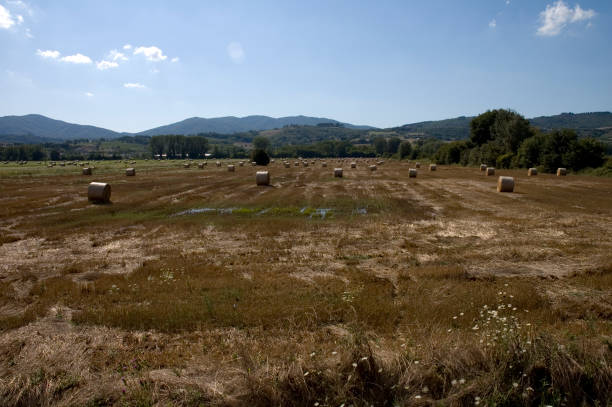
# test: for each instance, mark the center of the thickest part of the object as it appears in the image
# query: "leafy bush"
(260, 157)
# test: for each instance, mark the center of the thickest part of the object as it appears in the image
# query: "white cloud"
(116, 55)
(492, 23)
(134, 85)
(103, 65)
(127, 46)
(89, 94)
(19, 19)
(558, 15)
(48, 54)
(175, 59)
(28, 33)
(76, 59)
(151, 53)
(6, 20)
(236, 52)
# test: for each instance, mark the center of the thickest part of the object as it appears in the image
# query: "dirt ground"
(196, 286)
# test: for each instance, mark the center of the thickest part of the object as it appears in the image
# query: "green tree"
(261, 143)
(380, 145)
(260, 157)
(393, 145)
(405, 149)
(480, 127)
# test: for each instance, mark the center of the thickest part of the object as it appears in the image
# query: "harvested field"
(196, 286)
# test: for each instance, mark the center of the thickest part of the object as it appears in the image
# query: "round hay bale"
(372, 167)
(490, 171)
(433, 167)
(338, 172)
(296, 164)
(130, 172)
(186, 165)
(324, 164)
(505, 184)
(272, 161)
(287, 165)
(305, 163)
(200, 165)
(218, 163)
(532, 172)
(412, 172)
(231, 168)
(417, 165)
(561, 172)
(262, 178)
(483, 167)
(86, 171)
(99, 192)
(253, 163)
(353, 164)
(241, 163)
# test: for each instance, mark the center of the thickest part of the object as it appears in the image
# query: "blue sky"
(130, 65)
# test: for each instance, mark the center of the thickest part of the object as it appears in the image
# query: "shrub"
(260, 157)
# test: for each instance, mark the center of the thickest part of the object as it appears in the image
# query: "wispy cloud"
(28, 33)
(76, 59)
(236, 52)
(134, 85)
(558, 15)
(6, 19)
(48, 54)
(127, 47)
(103, 65)
(175, 59)
(151, 53)
(492, 23)
(89, 94)
(20, 5)
(116, 55)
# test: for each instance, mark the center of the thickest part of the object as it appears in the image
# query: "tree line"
(504, 139)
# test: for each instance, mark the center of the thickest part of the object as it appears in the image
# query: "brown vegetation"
(195, 288)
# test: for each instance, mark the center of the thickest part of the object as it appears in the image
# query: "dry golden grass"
(435, 290)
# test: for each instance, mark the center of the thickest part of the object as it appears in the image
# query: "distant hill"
(34, 128)
(231, 124)
(577, 121)
(595, 124)
(448, 129)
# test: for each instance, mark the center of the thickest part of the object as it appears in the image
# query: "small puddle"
(306, 211)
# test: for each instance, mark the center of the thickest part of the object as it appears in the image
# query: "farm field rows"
(196, 286)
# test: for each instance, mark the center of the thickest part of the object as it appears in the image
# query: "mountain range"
(35, 128)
